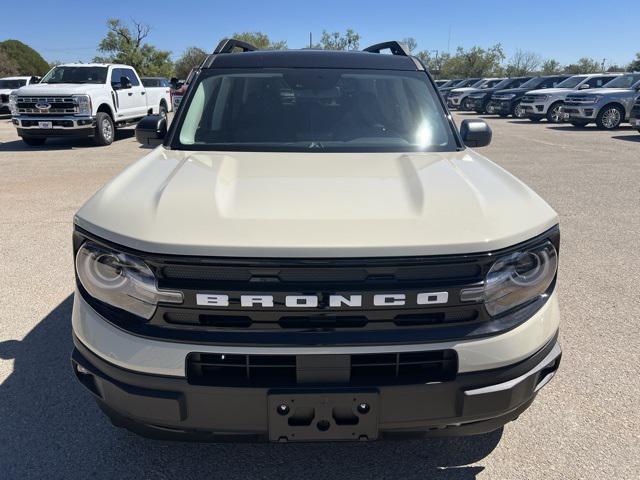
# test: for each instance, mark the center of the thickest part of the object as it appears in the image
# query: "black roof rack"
(396, 48)
(227, 45)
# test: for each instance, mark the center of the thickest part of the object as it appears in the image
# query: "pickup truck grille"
(47, 106)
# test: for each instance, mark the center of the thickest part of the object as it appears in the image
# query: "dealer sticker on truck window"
(45, 124)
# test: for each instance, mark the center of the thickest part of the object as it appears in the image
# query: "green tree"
(7, 66)
(21, 59)
(522, 63)
(337, 41)
(550, 67)
(584, 65)
(434, 61)
(125, 44)
(260, 40)
(192, 57)
(474, 62)
(635, 65)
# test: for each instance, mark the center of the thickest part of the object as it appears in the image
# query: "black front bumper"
(171, 407)
(56, 132)
(501, 107)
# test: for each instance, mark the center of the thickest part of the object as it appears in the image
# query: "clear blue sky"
(562, 29)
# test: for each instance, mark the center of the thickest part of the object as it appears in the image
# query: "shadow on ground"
(62, 143)
(588, 128)
(51, 428)
(628, 138)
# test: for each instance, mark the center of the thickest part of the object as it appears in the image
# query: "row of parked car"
(606, 99)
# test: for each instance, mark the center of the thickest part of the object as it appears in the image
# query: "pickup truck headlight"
(121, 280)
(84, 104)
(13, 104)
(516, 279)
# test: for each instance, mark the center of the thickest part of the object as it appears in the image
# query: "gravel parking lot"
(585, 425)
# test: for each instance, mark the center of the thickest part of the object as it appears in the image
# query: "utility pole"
(603, 62)
(310, 40)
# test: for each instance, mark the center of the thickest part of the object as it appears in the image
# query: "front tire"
(105, 130)
(610, 117)
(466, 105)
(554, 114)
(33, 141)
(162, 111)
(518, 111)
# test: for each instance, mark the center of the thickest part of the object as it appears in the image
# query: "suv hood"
(59, 88)
(517, 91)
(248, 204)
(464, 90)
(551, 91)
(604, 91)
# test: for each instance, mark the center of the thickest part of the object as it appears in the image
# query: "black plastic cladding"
(265, 327)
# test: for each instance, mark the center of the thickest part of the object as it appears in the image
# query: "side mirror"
(584, 86)
(125, 82)
(475, 133)
(151, 130)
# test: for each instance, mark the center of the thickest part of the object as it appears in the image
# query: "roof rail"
(396, 48)
(227, 45)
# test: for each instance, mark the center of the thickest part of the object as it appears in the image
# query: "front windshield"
(504, 83)
(533, 83)
(625, 81)
(314, 110)
(12, 84)
(76, 75)
(477, 83)
(571, 82)
(493, 83)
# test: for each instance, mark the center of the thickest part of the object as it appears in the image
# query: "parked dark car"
(468, 82)
(481, 99)
(507, 102)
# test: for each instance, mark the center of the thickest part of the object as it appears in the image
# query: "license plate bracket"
(323, 416)
(45, 124)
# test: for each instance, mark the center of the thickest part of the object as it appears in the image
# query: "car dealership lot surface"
(586, 424)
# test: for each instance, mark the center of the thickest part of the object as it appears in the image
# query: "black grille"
(369, 369)
(409, 321)
(4, 98)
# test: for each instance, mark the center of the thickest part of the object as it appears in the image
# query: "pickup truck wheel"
(104, 130)
(554, 114)
(34, 142)
(610, 118)
(162, 111)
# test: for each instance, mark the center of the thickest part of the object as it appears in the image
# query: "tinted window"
(624, 81)
(314, 110)
(598, 82)
(76, 75)
(131, 75)
(12, 84)
(151, 82)
(572, 82)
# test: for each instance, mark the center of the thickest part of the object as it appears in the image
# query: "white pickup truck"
(84, 100)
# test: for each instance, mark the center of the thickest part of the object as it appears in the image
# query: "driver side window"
(116, 73)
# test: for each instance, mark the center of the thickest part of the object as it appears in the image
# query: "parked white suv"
(548, 102)
(89, 100)
(8, 85)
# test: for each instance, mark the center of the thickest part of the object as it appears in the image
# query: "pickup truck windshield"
(314, 110)
(12, 84)
(76, 75)
(571, 82)
(625, 81)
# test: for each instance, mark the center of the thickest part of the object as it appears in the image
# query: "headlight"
(541, 98)
(508, 96)
(84, 104)
(516, 279)
(121, 280)
(13, 104)
(478, 96)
